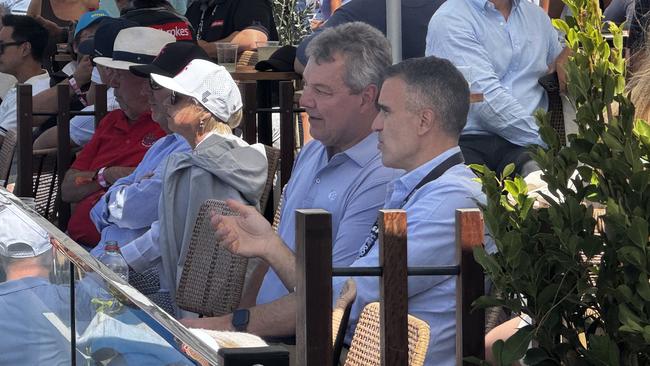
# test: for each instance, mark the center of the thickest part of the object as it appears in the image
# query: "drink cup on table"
(265, 49)
(227, 55)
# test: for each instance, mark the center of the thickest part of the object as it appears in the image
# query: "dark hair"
(27, 29)
(435, 83)
(148, 4)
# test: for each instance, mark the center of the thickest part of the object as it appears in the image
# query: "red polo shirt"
(115, 143)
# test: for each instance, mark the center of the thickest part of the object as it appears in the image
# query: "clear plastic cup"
(227, 55)
(266, 49)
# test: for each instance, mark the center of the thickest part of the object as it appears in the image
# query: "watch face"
(240, 318)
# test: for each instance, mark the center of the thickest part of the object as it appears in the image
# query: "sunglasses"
(154, 85)
(4, 45)
(173, 98)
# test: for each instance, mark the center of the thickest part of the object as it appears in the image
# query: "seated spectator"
(469, 33)
(159, 14)
(423, 108)
(234, 21)
(204, 106)
(22, 43)
(415, 17)
(123, 136)
(130, 206)
(340, 171)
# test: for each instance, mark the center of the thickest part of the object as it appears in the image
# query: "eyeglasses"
(154, 85)
(173, 98)
(4, 45)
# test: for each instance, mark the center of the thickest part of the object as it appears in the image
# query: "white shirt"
(82, 128)
(8, 107)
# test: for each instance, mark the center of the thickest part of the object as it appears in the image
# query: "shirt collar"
(412, 178)
(482, 4)
(21, 284)
(364, 151)
(123, 123)
(38, 77)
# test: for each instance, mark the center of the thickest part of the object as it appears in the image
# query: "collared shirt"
(130, 206)
(431, 242)
(351, 186)
(115, 143)
(8, 119)
(505, 60)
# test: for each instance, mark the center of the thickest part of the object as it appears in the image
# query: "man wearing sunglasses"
(22, 43)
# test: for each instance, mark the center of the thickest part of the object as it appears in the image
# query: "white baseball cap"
(20, 236)
(136, 46)
(208, 83)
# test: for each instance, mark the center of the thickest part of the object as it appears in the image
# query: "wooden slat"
(64, 155)
(287, 131)
(249, 119)
(313, 287)
(24, 149)
(101, 107)
(470, 284)
(394, 287)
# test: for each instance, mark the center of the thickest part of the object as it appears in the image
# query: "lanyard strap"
(204, 8)
(434, 174)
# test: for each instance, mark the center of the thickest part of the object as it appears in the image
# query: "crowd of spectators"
(385, 136)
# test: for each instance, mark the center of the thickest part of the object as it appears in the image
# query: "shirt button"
(317, 180)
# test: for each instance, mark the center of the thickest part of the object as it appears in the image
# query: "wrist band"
(101, 180)
(77, 90)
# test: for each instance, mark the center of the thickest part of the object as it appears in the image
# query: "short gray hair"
(437, 84)
(365, 49)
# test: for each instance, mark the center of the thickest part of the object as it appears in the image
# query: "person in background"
(123, 136)
(158, 14)
(242, 22)
(22, 43)
(204, 106)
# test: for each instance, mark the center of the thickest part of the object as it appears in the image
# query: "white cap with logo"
(20, 236)
(208, 83)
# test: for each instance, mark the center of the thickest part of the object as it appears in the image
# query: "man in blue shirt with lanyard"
(423, 108)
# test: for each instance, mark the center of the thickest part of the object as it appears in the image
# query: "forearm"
(77, 185)
(112, 174)
(283, 262)
(247, 39)
(253, 284)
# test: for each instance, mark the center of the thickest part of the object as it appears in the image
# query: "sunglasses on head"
(4, 45)
(154, 85)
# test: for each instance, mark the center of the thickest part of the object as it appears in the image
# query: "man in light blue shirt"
(503, 47)
(423, 108)
(340, 171)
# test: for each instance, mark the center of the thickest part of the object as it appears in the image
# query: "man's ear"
(25, 49)
(369, 95)
(428, 121)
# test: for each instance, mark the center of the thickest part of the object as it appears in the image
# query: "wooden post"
(63, 154)
(101, 107)
(24, 148)
(249, 118)
(287, 131)
(394, 287)
(313, 287)
(470, 285)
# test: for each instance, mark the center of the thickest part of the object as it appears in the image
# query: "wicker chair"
(212, 279)
(365, 349)
(341, 315)
(551, 84)
(6, 155)
(46, 184)
(273, 161)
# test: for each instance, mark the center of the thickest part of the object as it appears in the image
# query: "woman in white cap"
(204, 107)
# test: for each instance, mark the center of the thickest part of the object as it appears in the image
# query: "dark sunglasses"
(4, 45)
(154, 85)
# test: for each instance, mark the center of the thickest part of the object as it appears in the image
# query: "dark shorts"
(496, 152)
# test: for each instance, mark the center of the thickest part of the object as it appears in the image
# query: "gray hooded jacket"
(221, 167)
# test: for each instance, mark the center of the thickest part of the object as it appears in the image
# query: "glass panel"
(34, 292)
(114, 324)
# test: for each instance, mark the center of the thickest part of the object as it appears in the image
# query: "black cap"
(102, 44)
(171, 60)
(280, 60)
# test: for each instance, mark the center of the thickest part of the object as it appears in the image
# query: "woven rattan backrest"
(365, 348)
(341, 315)
(6, 155)
(272, 161)
(45, 183)
(212, 278)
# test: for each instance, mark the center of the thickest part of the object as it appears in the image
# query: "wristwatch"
(240, 319)
(101, 179)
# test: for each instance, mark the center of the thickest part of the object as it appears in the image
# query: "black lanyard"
(204, 8)
(434, 174)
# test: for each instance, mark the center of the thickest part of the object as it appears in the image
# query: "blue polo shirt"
(351, 186)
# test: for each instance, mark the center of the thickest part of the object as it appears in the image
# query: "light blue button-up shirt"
(505, 60)
(431, 233)
(351, 186)
(130, 206)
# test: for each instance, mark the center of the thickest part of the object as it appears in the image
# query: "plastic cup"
(227, 55)
(266, 49)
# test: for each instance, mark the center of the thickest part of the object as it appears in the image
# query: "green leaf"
(632, 255)
(516, 346)
(508, 170)
(628, 318)
(638, 232)
(643, 287)
(604, 350)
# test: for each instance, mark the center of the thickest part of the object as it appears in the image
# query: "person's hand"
(248, 235)
(84, 71)
(53, 29)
